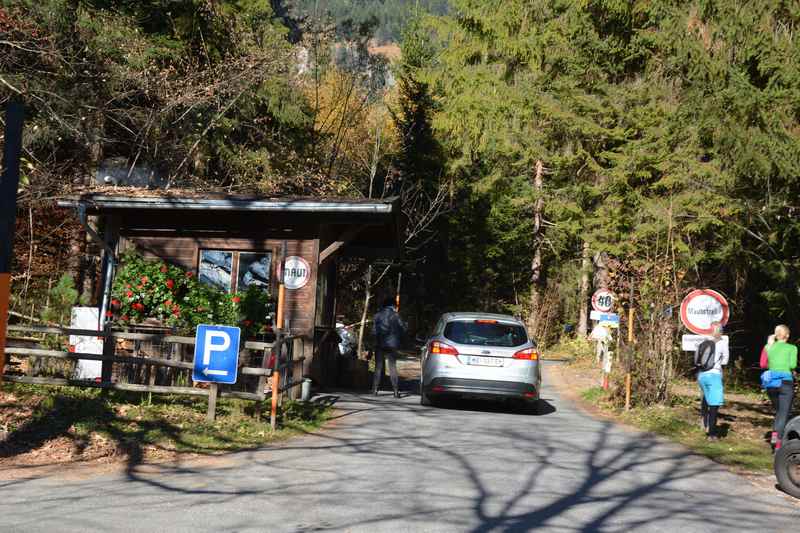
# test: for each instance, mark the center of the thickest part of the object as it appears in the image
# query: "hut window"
(235, 271)
(215, 269)
(254, 269)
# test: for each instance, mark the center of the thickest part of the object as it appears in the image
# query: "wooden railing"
(283, 349)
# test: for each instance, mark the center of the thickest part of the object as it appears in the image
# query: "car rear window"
(485, 333)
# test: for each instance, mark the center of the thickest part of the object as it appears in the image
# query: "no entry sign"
(701, 307)
(603, 300)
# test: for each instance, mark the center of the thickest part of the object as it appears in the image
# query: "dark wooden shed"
(198, 232)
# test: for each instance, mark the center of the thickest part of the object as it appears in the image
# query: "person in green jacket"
(781, 359)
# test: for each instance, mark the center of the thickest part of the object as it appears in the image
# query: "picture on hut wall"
(254, 270)
(215, 269)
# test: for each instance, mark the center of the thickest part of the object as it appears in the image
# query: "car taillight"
(529, 354)
(442, 348)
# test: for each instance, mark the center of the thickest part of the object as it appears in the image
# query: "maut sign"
(701, 307)
(296, 272)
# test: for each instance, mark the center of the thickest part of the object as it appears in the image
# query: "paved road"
(388, 465)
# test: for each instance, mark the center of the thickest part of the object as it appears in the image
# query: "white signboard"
(86, 318)
(700, 308)
(603, 300)
(296, 272)
(689, 343)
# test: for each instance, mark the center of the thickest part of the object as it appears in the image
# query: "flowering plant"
(146, 288)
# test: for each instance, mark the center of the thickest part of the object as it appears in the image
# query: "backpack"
(704, 355)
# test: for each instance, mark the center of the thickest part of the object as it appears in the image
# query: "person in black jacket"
(389, 331)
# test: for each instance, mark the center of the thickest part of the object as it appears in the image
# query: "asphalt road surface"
(389, 465)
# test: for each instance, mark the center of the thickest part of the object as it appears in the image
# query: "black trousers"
(781, 398)
(390, 355)
(709, 414)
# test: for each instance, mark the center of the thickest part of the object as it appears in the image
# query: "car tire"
(424, 399)
(786, 459)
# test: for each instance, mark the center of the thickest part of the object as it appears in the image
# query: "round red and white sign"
(701, 307)
(296, 272)
(603, 300)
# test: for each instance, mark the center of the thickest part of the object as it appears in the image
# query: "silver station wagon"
(480, 355)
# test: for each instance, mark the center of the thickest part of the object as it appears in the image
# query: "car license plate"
(485, 361)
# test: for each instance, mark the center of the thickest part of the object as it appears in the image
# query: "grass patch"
(568, 349)
(681, 423)
(124, 422)
(593, 395)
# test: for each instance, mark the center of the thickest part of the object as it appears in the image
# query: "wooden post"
(273, 414)
(583, 314)
(211, 413)
(628, 390)
(9, 183)
(630, 351)
(397, 296)
(109, 350)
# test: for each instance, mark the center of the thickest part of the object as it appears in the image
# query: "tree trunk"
(367, 297)
(536, 263)
(583, 315)
(601, 270)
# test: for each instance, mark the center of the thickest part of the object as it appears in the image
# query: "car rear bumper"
(481, 388)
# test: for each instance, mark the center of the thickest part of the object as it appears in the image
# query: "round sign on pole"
(701, 307)
(296, 272)
(603, 300)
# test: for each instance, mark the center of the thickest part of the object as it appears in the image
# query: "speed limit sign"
(603, 300)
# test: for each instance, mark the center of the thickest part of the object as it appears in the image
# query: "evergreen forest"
(540, 150)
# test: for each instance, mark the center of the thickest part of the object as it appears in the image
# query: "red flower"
(170, 283)
(115, 302)
(145, 279)
(247, 323)
(176, 310)
(138, 306)
(127, 285)
(163, 269)
(129, 294)
(124, 318)
(109, 314)
(236, 299)
(189, 274)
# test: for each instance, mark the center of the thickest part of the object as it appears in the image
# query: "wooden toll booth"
(223, 239)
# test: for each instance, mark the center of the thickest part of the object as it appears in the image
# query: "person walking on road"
(711, 355)
(389, 330)
(780, 359)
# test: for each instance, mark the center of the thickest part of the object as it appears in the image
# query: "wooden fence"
(252, 352)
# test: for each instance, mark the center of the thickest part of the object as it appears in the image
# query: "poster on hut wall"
(86, 318)
(215, 269)
(254, 270)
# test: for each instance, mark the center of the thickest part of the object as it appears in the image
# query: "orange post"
(5, 293)
(281, 302)
(273, 414)
(9, 183)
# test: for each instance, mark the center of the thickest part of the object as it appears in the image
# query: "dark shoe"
(396, 394)
(374, 392)
(713, 438)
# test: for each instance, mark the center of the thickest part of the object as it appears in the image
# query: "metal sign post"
(9, 183)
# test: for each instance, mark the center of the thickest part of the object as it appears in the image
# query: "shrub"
(152, 289)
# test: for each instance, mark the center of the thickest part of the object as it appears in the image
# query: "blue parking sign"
(216, 354)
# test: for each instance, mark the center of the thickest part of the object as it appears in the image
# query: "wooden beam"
(336, 245)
